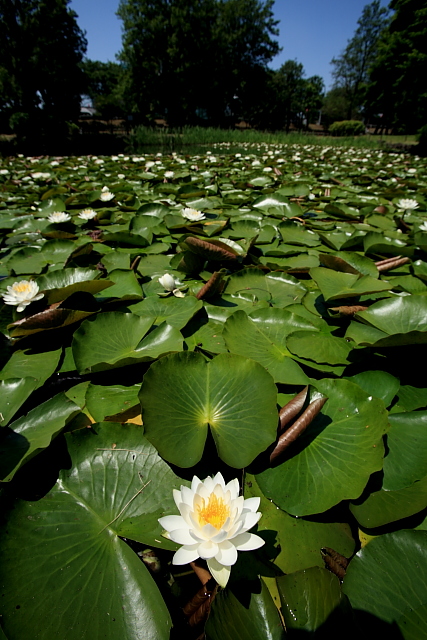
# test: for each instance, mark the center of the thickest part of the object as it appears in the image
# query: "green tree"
(351, 68)
(314, 93)
(40, 76)
(290, 99)
(103, 85)
(290, 88)
(398, 86)
(195, 59)
(335, 106)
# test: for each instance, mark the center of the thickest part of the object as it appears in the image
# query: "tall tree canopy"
(41, 49)
(399, 76)
(104, 87)
(195, 59)
(351, 67)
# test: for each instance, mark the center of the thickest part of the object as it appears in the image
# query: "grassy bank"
(177, 139)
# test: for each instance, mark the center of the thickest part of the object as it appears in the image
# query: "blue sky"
(311, 31)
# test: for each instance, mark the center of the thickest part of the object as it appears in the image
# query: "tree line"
(205, 62)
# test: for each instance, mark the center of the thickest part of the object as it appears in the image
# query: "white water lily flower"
(169, 174)
(22, 293)
(87, 214)
(407, 204)
(213, 524)
(193, 214)
(40, 175)
(168, 282)
(106, 194)
(59, 216)
(423, 227)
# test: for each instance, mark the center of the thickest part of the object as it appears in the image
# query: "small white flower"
(168, 282)
(59, 216)
(169, 174)
(87, 214)
(213, 524)
(407, 204)
(106, 195)
(423, 227)
(193, 214)
(40, 175)
(22, 293)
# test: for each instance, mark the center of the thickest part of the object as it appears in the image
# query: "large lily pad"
(388, 577)
(182, 395)
(242, 613)
(299, 540)
(309, 598)
(33, 432)
(65, 547)
(334, 457)
(262, 337)
(115, 339)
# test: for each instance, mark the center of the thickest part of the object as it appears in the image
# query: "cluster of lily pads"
(164, 318)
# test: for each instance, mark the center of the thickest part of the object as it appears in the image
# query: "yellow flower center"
(214, 513)
(22, 287)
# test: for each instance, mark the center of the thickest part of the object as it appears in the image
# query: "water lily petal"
(170, 523)
(235, 530)
(187, 496)
(219, 572)
(208, 531)
(182, 536)
(233, 488)
(186, 554)
(250, 519)
(227, 553)
(208, 549)
(220, 536)
(248, 542)
(177, 497)
(209, 484)
(251, 504)
(186, 512)
(195, 483)
(218, 479)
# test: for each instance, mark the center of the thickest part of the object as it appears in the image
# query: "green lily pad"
(14, 392)
(182, 394)
(308, 599)
(175, 311)
(319, 347)
(388, 576)
(379, 384)
(335, 284)
(65, 547)
(244, 612)
(104, 401)
(114, 339)
(333, 459)
(262, 337)
(279, 290)
(382, 507)
(25, 437)
(299, 540)
(406, 461)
